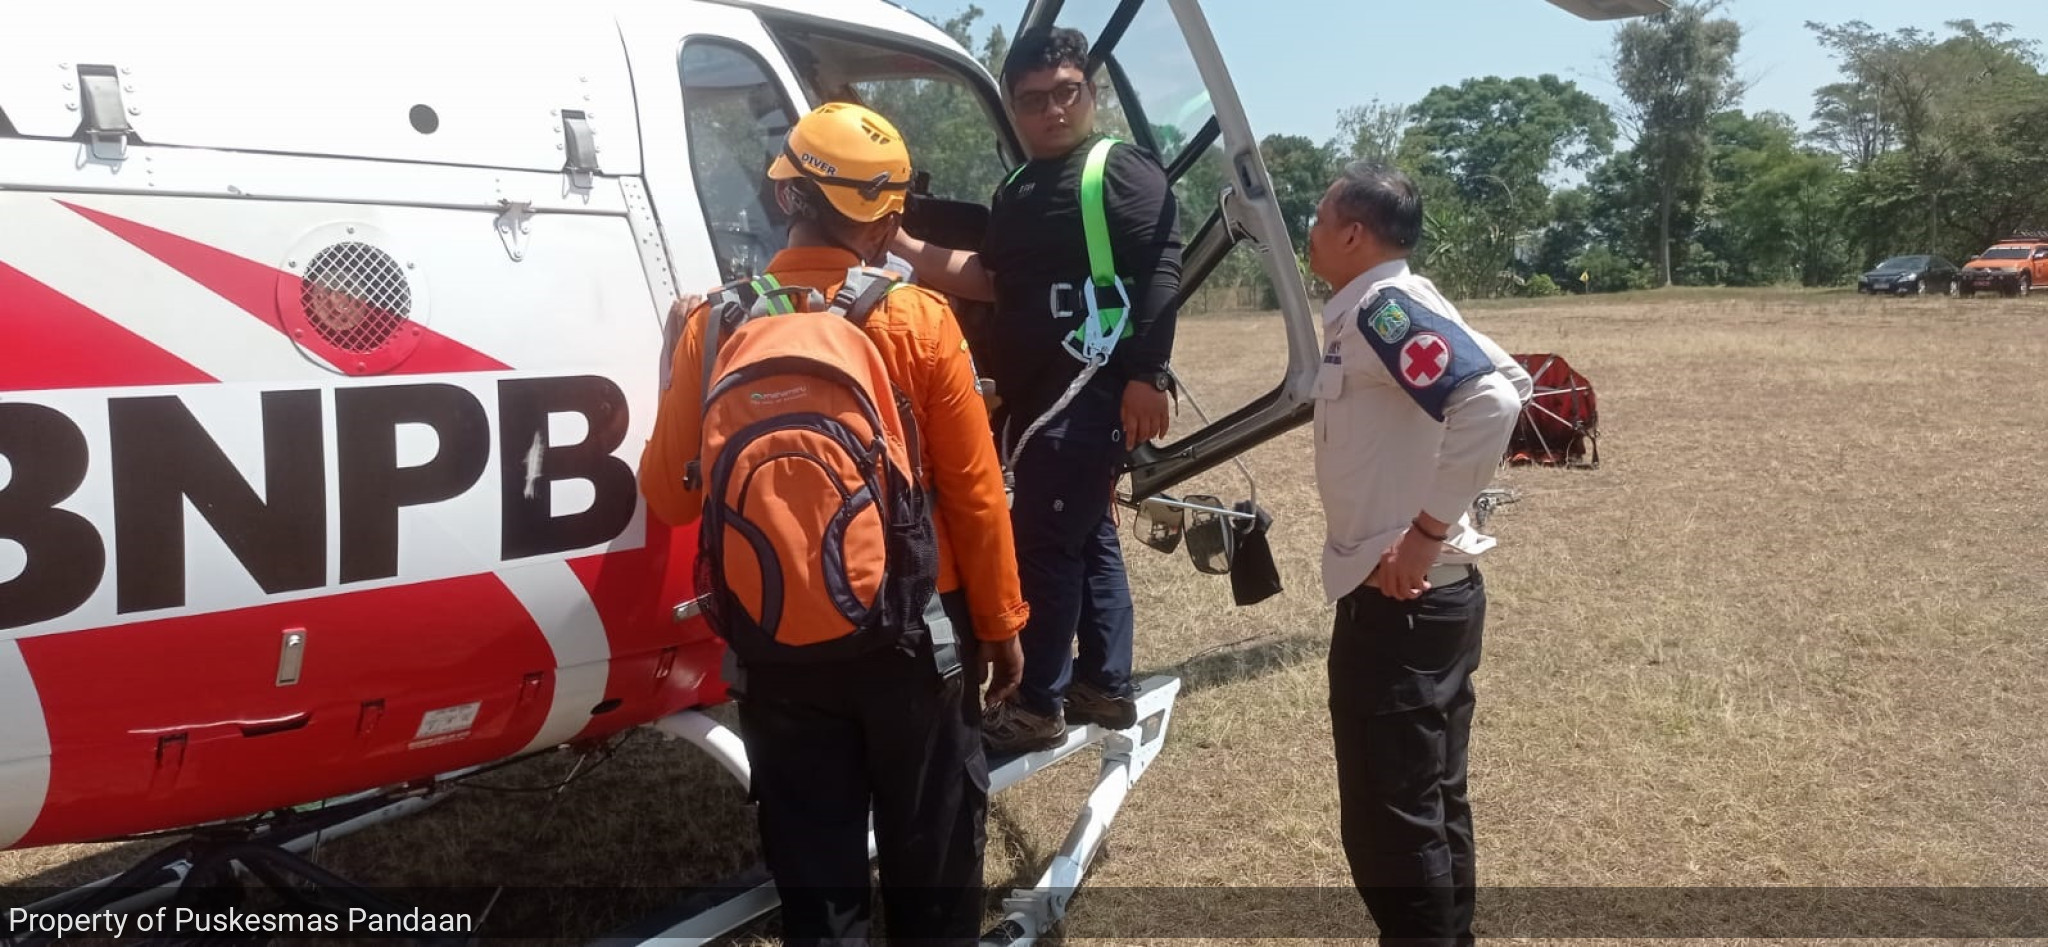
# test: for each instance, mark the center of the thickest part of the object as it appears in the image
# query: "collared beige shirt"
(1381, 457)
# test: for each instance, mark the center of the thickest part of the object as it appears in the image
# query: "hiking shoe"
(1089, 704)
(1008, 728)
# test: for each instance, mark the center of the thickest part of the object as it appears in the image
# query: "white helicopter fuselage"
(330, 344)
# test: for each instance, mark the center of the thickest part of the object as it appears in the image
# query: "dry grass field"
(1788, 634)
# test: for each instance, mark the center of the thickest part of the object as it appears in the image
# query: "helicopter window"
(736, 116)
(951, 127)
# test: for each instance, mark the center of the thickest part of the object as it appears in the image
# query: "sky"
(1359, 50)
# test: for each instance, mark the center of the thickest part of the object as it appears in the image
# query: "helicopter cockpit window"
(950, 127)
(736, 117)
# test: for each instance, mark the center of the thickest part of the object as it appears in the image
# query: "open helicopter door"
(1163, 86)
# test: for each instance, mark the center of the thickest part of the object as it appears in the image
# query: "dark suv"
(1901, 275)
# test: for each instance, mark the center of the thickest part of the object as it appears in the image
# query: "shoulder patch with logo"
(1389, 321)
(1430, 355)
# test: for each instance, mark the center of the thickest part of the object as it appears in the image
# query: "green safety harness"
(1095, 340)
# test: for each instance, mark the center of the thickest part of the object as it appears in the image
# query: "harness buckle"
(1096, 339)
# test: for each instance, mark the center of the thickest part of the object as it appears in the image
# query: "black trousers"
(1401, 703)
(826, 744)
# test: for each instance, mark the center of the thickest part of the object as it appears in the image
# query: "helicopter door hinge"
(579, 141)
(515, 221)
(105, 122)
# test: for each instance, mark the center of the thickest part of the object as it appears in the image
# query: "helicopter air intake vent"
(356, 296)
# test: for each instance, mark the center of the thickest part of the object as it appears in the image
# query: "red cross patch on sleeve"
(1428, 353)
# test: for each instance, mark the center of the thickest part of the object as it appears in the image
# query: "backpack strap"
(864, 288)
(863, 291)
(945, 641)
(731, 305)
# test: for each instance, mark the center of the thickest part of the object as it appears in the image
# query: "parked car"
(2011, 267)
(1901, 275)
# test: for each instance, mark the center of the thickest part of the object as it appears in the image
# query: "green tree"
(1622, 218)
(1371, 132)
(1301, 171)
(951, 130)
(1948, 102)
(1568, 235)
(1465, 249)
(2000, 180)
(1497, 139)
(1774, 210)
(1849, 122)
(1677, 70)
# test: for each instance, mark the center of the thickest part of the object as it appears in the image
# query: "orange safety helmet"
(855, 156)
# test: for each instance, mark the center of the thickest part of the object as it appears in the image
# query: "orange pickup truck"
(2012, 267)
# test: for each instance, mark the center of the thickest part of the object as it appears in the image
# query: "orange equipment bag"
(817, 541)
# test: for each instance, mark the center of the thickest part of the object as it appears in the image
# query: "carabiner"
(1098, 341)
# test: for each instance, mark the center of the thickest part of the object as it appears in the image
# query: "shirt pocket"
(1328, 388)
(1329, 382)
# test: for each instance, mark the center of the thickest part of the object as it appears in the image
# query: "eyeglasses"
(1063, 95)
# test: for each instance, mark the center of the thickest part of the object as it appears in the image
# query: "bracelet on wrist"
(1416, 524)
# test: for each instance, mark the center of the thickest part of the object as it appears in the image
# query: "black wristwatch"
(1160, 380)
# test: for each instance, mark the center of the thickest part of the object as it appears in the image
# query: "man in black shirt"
(1034, 264)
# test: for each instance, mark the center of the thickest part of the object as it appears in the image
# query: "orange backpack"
(817, 542)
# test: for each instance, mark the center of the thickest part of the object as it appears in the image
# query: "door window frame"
(971, 73)
(768, 75)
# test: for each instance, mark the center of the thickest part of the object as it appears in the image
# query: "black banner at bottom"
(487, 914)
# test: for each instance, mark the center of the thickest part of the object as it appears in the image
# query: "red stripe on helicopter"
(658, 665)
(54, 342)
(182, 720)
(253, 287)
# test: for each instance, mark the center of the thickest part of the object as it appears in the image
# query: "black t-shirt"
(1038, 253)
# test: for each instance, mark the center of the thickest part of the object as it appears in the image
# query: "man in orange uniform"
(827, 741)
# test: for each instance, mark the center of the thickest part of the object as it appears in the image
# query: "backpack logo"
(776, 397)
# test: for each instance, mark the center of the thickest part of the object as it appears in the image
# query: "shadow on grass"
(1244, 660)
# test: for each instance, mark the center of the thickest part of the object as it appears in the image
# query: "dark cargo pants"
(825, 744)
(1071, 567)
(1401, 702)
